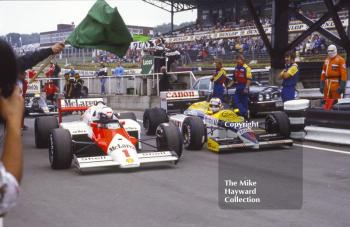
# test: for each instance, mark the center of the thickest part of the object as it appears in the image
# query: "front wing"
(229, 144)
(107, 161)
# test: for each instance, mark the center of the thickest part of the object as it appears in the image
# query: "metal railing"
(138, 84)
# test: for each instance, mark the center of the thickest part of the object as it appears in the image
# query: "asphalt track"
(182, 195)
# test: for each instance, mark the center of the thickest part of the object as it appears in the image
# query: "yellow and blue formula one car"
(208, 122)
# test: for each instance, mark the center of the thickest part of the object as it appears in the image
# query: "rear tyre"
(169, 139)
(193, 133)
(127, 115)
(278, 122)
(42, 128)
(84, 92)
(60, 149)
(152, 118)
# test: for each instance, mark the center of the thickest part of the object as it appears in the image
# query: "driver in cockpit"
(215, 105)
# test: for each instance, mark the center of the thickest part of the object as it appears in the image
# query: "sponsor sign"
(34, 88)
(175, 95)
(247, 32)
(69, 103)
(147, 64)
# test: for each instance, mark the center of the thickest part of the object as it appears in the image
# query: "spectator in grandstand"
(51, 90)
(164, 81)
(290, 76)
(118, 73)
(242, 80)
(334, 75)
(77, 86)
(102, 74)
(219, 78)
(11, 114)
(68, 86)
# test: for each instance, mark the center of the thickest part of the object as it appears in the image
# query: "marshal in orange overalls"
(333, 76)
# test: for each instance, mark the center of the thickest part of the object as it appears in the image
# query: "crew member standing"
(333, 77)
(290, 76)
(219, 79)
(242, 78)
(50, 90)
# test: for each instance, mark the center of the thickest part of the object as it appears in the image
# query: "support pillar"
(279, 38)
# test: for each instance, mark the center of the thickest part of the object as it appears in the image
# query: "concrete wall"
(131, 102)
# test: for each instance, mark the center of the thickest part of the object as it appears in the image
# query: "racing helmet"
(332, 51)
(106, 114)
(215, 105)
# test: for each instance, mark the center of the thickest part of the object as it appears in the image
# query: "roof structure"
(178, 5)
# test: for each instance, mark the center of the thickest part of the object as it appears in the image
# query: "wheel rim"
(186, 134)
(271, 125)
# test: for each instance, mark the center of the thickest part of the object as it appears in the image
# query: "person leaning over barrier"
(11, 111)
(290, 76)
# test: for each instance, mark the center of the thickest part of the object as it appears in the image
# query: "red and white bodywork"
(118, 139)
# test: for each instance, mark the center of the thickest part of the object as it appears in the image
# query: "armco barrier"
(328, 135)
(330, 119)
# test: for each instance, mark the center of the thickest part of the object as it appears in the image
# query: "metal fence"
(139, 84)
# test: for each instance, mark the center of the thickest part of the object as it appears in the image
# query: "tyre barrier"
(296, 111)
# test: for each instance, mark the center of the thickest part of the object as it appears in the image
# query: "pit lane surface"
(182, 195)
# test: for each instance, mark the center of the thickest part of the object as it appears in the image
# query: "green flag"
(103, 28)
(141, 38)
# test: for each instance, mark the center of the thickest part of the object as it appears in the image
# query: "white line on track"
(322, 149)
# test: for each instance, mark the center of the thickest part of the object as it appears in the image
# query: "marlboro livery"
(102, 138)
(208, 122)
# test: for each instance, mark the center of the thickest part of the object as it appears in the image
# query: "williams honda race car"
(208, 122)
(102, 138)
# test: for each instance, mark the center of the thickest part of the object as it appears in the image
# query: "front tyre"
(278, 122)
(60, 149)
(169, 139)
(193, 133)
(152, 118)
(42, 128)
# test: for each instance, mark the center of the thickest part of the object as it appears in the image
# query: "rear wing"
(71, 105)
(178, 101)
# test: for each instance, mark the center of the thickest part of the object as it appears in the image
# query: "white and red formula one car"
(102, 138)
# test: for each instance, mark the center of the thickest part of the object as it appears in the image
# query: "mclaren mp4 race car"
(208, 122)
(102, 138)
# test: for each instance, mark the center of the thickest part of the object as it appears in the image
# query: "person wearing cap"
(242, 79)
(333, 76)
(219, 79)
(290, 76)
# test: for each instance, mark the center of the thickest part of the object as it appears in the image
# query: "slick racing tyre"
(60, 149)
(42, 129)
(152, 118)
(278, 122)
(127, 115)
(169, 138)
(193, 133)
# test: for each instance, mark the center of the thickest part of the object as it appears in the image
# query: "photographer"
(11, 111)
